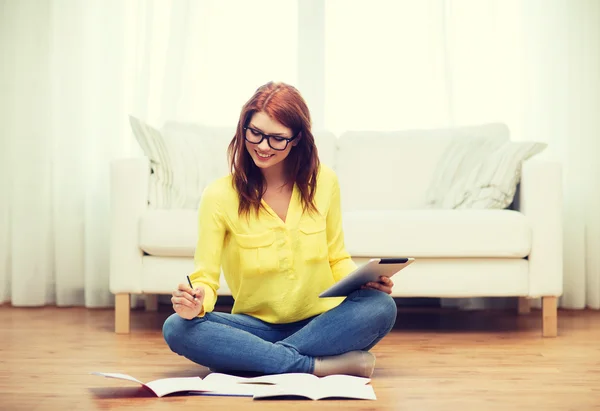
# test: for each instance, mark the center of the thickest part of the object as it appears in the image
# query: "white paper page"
(240, 390)
(217, 379)
(342, 386)
(294, 379)
(345, 380)
(363, 392)
(171, 385)
(225, 384)
(117, 376)
(269, 391)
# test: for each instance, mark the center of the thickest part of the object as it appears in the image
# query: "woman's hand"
(384, 284)
(184, 302)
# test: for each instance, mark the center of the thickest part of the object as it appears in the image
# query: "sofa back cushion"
(396, 170)
(326, 143)
(377, 170)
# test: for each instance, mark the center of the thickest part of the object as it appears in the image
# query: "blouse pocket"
(257, 253)
(313, 239)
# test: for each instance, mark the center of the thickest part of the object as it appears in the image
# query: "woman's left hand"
(384, 284)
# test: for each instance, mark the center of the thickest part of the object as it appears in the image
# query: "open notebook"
(267, 386)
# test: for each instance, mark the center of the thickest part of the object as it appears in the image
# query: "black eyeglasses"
(278, 143)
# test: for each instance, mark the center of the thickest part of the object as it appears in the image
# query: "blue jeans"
(238, 342)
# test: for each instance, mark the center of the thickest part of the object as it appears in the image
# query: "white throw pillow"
(184, 159)
(461, 156)
(493, 181)
(162, 193)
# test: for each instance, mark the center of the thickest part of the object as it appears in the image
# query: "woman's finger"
(380, 287)
(384, 289)
(186, 295)
(183, 301)
(375, 286)
(387, 281)
(185, 292)
(185, 288)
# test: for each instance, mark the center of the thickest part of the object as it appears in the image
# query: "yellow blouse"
(275, 269)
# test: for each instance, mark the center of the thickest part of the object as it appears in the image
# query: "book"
(266, 386)
(315, 388)
(166, 386)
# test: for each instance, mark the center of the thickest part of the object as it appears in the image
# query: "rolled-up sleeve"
(207, 256)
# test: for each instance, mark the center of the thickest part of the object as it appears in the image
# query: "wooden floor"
(433, 360)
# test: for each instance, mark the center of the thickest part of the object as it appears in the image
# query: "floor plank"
(433, 360)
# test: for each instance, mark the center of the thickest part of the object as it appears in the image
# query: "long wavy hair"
(284, 104)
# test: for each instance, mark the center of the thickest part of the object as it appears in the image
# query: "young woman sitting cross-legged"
(274, 227)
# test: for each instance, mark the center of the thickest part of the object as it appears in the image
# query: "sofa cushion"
(437, 233)
(169, 233)
(414, 233)
(161, 274)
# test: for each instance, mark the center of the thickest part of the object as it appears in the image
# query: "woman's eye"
(279, 139)
(254, 132)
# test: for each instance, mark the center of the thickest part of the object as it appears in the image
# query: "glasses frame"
(288, 140)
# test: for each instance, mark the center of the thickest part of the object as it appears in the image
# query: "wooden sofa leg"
(122, 313)
(524, 306)
(549, 316)
(151, 302)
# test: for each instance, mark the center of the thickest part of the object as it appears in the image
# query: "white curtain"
(532, 64)
(72, 71)
(62, 103)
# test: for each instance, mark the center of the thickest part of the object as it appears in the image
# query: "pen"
(191, 286)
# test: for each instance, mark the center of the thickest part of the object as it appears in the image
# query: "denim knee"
(384, 309)
(173, 329)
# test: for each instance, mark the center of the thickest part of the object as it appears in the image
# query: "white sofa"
(384, 179)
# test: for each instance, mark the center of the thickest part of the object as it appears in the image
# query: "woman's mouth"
(263, 156)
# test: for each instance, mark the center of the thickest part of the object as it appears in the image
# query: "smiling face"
(263, 155)
(275, 109)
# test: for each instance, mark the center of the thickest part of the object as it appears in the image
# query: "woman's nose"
(264, 145)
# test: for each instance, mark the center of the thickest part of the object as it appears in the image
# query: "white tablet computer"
(369, 272)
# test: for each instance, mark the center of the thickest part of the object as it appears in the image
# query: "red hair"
(284, 104)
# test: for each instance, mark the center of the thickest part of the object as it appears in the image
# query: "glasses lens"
(253, 136)
(277, 143)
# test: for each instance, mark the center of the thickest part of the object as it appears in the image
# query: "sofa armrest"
(541, 200)
(128, 201)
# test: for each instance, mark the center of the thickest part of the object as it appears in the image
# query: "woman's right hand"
(184, 303)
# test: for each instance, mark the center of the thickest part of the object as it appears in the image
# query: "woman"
(274, 226)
